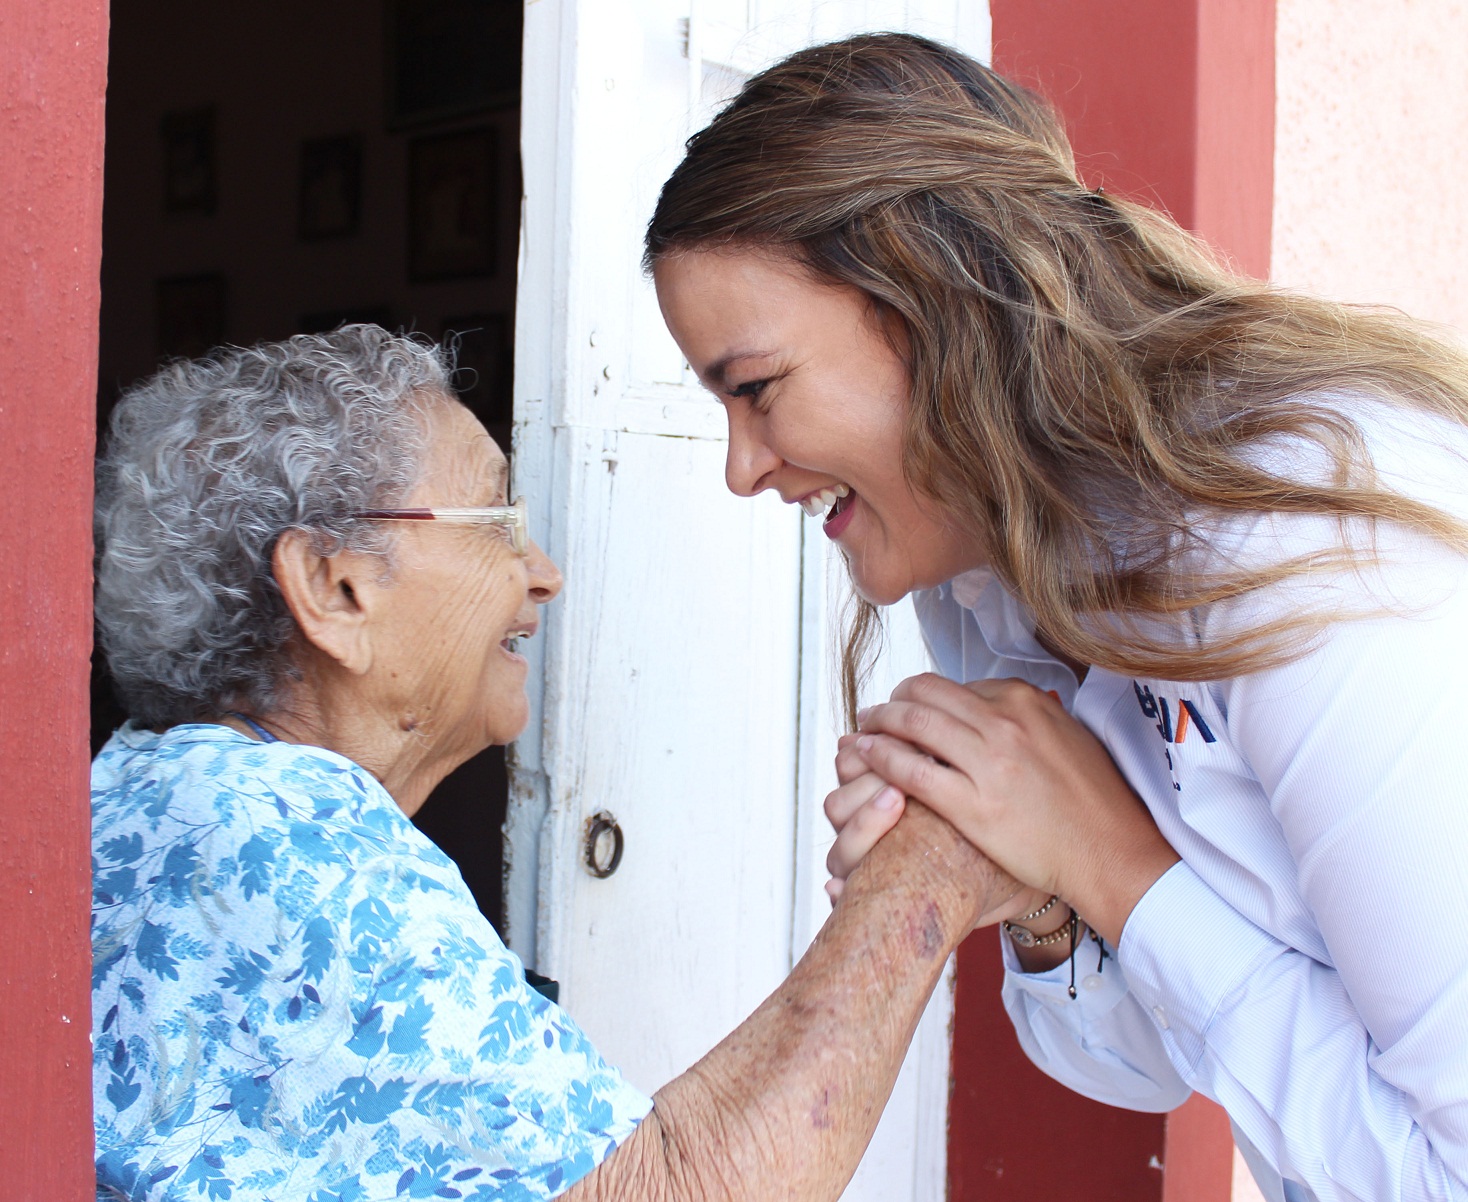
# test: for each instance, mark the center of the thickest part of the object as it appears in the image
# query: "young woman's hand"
(1026, 783)
(863, 809)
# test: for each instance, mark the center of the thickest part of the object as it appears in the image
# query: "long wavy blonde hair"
(1087, 380)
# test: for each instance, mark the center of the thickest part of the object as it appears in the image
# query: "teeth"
(818, 503)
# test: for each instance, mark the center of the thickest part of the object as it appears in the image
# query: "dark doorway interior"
(277, 168)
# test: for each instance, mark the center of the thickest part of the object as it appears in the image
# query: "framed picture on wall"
(453, 184)
(190, 314)
(484, 382)
(188, 162)
(448, 58)
(331, 188)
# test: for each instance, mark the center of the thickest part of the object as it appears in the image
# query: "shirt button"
(1161, 1016)
(1091, 983)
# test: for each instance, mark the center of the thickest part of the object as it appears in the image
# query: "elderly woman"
(294, 994)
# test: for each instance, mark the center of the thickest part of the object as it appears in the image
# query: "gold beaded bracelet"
(1026, 938)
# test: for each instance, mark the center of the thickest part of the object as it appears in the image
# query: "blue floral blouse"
(295, 997)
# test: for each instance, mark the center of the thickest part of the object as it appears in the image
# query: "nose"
(545, 577)
(750, 460)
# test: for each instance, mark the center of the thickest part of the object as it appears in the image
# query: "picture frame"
(451, 58)
(190, 313)
(453, 198)
(189, 172)
(484, 379)
(330, 197)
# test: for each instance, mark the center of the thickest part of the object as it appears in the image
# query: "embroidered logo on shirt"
(1173, 732)
(1160, 712)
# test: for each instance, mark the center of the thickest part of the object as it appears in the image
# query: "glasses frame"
(513, 516)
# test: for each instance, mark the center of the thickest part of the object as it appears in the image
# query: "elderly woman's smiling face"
(407, 666)
(460, 596)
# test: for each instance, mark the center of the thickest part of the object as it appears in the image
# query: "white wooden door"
(683, 684)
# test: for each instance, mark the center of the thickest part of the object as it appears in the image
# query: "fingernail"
(864, 743)
(861, 715)
(888, 798)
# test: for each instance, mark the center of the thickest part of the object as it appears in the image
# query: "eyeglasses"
(513, 517)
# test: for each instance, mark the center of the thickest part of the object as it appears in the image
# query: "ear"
(332, 598)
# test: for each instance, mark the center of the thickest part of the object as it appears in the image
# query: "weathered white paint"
(1371, 153)
(684, 681)
(908, 1155)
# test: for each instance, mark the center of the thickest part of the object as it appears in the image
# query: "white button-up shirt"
(1306, 964)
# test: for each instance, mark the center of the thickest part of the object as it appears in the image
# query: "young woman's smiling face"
(816, 395)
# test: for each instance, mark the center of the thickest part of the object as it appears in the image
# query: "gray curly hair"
(208, 462)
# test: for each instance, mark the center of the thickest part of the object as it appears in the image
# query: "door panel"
(675, 710)
(685, 682)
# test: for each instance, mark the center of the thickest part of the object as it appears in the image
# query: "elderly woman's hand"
(1024, 782)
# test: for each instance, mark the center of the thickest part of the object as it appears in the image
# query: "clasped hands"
(1018, 777)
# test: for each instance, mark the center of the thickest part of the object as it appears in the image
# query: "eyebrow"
(501, 480)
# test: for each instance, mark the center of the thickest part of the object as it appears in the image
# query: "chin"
(875, 596)
(876, 590)
(508, 724)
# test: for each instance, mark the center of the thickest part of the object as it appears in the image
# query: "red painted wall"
(1167, 101)
(1014, 1135)
(1170, 102)
(1198, 1154)
(53, 56)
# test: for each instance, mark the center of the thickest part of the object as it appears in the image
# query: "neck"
(1075, 665)
(404, 757)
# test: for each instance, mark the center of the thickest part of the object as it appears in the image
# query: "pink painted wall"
(1371, 153)
(53, 75)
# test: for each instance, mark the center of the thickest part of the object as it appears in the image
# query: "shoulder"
(200, 814)
(207, 773)
(1412, 451)
(1337, 562)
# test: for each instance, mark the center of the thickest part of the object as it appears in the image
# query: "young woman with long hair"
(1189, 553)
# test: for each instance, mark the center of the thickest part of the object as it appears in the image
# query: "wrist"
(925, 862)
(1042, 926)
(1039, 949)
(1119, 890)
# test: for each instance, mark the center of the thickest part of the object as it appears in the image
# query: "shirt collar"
(1006, 623)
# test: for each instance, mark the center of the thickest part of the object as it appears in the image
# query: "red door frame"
(53, 76)
(1171, 102)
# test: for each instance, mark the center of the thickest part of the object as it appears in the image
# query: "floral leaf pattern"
(295, 997)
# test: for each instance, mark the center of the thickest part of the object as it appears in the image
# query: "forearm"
(784, 1107)
(1274, 1036)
